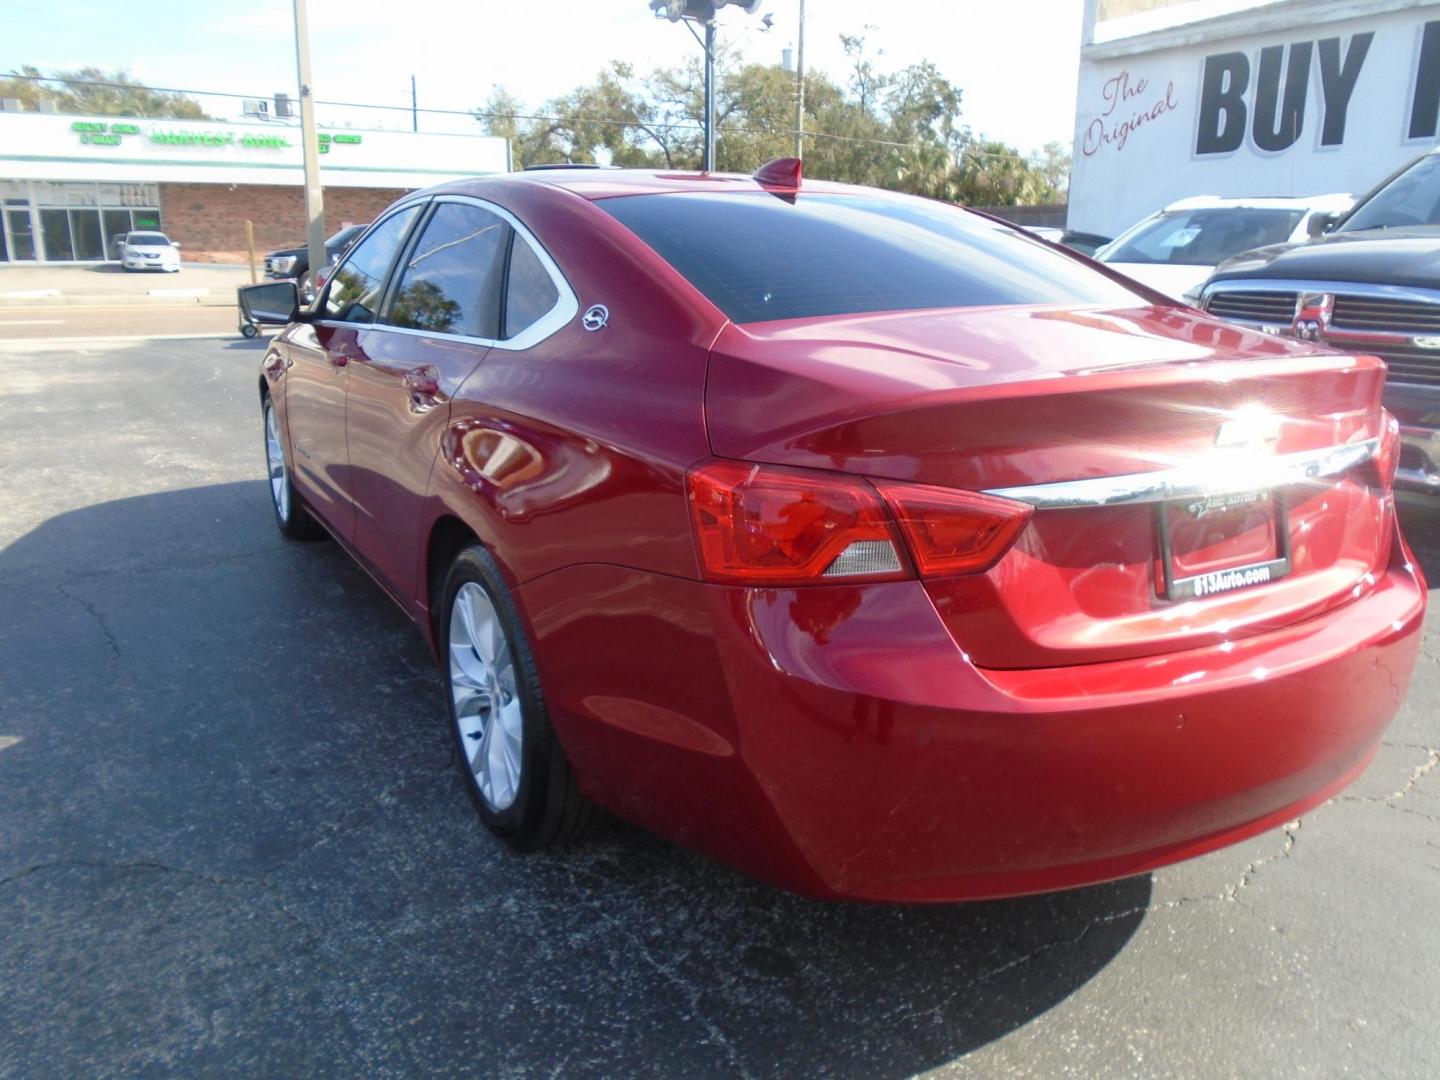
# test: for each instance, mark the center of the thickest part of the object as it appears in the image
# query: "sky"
(1016, 60)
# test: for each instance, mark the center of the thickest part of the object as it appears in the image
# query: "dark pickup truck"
(1368, 282)
(294, 263)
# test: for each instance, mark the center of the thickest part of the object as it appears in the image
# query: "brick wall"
(208, 220)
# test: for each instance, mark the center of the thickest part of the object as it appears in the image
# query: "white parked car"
(1175, 249)
(149, 251)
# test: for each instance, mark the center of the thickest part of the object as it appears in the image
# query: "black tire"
(249, 330)
(548, 809)
(294, 521)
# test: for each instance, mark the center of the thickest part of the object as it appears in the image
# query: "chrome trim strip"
(1222, 474)
(566, 307)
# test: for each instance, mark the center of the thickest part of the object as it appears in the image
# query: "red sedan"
(863, 542)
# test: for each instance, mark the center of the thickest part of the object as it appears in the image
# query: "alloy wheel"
(275, 459)
(483, 691)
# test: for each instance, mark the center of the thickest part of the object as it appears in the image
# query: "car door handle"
(339, 357)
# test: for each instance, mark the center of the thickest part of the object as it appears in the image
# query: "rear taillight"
(762, 525)
(766, 525)
(954, 532)
(1387, 460)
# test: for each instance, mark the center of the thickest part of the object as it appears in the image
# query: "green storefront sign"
(94, 133)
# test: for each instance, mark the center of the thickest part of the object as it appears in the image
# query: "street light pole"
(800, 87)
(703, 11)
(314, 194)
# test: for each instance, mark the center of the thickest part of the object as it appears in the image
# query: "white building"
(1247, 97)
(69, 184)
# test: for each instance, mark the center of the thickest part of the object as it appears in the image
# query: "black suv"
(294, 263)
(1369, 282)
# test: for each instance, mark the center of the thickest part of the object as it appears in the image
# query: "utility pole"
(709, 163)
(414, 109)
(314, 194)
(800, 87)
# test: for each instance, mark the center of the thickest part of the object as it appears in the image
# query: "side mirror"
(276, 303)
(175, 245)
(1320, 224)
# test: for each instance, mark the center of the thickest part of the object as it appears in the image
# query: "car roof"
(608, 183)
(1333, 201)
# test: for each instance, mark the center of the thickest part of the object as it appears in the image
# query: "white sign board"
(1332, 99)
(35, 146)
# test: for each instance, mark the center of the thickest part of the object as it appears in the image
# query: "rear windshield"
(1202, 237)
(758, 257)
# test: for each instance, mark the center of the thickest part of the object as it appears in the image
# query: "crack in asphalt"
(120, 864)
(691, 993)
(1292, 829)
(94, 614)
(204, 563)
(1432, 759)
(1229, 894)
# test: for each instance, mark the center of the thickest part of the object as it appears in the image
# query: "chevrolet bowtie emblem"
(1251, 431)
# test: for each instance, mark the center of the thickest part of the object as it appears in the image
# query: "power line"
(477, 114)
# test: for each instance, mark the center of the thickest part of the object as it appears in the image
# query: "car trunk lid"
(1017, 400)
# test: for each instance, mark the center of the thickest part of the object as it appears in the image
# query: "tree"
(91, 91)
(1052, 162)
(995, 174)
(21, 84)
(899, 130)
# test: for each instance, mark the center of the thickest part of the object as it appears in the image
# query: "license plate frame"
(1230, 578)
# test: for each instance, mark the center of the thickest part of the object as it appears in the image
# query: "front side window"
(757, 257)
(530, 292)
(354, 293)
(1202, 237)
(450, 283)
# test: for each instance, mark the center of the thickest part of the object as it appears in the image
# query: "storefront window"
(22, 238)
(78, 222)
(55, 233)
(85, 234)
(116, 224)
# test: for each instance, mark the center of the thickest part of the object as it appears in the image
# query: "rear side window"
(354, 294)
(450, 283)
(758, 257)
(531, 292)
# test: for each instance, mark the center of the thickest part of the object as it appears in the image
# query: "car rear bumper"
(851, 750)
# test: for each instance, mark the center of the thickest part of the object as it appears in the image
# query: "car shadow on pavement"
(236, 841)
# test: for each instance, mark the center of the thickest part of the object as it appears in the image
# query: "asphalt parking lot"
(232, 841)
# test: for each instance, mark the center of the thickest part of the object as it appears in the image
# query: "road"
(232, 840)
